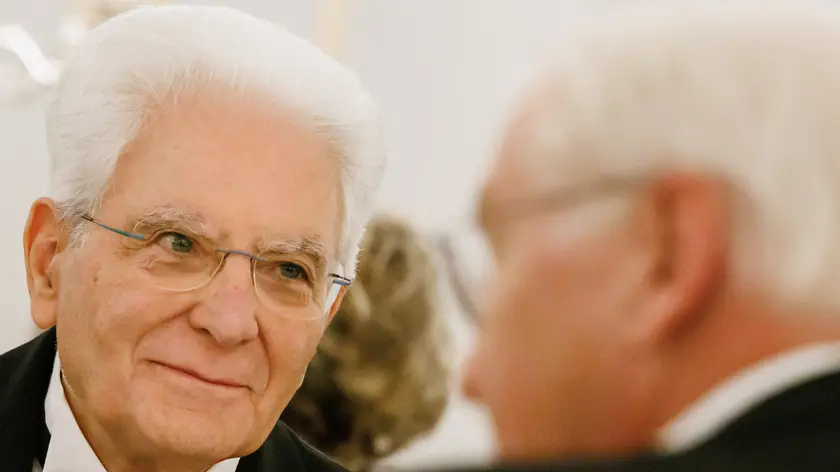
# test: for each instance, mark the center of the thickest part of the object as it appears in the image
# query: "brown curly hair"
(380, 377)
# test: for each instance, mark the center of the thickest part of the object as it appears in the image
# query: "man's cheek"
(292, 350)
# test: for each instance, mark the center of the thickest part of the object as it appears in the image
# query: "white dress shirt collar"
(69, 451)
(734, 397)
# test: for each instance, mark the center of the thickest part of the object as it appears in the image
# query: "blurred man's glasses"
(467, 254)
(178, 263)
(469, 262)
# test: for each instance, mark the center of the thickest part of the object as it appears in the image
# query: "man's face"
(552, 360)
(137, 358)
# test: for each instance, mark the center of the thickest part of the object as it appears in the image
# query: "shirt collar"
(745, 390)
(69, 451)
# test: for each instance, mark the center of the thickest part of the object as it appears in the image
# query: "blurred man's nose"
(470, 380)
(229, 305)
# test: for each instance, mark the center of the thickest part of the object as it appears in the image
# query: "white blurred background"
(442, 70)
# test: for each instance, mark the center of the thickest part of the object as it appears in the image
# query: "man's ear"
(41, 246)
(691, 227)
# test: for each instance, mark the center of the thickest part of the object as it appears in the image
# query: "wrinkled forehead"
(234, 172)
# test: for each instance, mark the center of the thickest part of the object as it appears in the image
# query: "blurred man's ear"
(691, 227)
(41, 238)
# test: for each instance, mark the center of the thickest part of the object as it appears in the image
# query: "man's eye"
(290, 270)
(176, 242)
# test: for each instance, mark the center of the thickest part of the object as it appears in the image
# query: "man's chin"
(194, 433)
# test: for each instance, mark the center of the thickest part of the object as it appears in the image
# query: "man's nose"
(228, 309)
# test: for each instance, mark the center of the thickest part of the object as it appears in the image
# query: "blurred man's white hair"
(747, 92)
(150, 55)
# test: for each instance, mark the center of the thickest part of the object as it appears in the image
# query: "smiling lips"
(219, 382)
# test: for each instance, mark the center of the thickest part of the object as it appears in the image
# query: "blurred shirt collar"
(745, 390)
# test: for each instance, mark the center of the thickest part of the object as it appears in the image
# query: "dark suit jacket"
(24, 378)
(795, 431)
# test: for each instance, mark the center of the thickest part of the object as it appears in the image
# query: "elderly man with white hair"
(211, 178)
(664, 217)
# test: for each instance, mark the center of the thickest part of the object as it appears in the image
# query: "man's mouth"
(216, 381)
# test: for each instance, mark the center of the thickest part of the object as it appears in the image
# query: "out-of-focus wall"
(443, 71)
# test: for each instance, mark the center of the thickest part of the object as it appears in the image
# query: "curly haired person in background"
(380, 377)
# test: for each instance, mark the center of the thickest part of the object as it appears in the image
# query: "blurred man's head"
(212, 175)
(663, 212)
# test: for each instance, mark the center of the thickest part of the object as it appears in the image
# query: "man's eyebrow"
(165, 217)
(312, 247)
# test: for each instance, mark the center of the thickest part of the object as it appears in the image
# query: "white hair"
(145, 56)
(749, 93)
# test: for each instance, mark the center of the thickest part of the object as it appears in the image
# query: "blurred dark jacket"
(797, 430)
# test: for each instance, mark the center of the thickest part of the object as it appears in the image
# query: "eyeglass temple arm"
(342, 281)
(116, 230)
